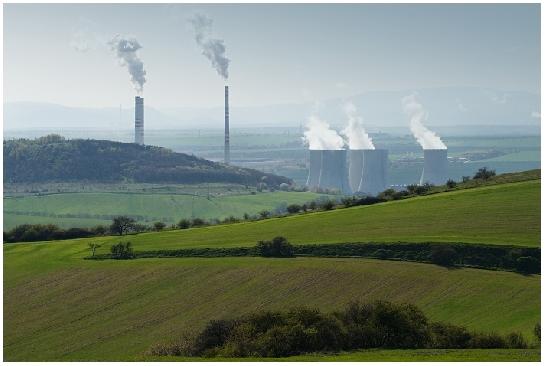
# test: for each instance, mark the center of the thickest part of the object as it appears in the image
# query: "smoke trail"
(355, 132)
(212, 49)
(319, 136)
(417, 114)
(125, 49)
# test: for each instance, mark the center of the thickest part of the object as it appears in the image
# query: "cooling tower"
(314, 168)
(227, 152)
(435, 167)
(333, 172)
(355, 168)
(139, 120)
(373, 177)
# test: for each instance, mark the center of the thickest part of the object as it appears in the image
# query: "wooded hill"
(53, 158)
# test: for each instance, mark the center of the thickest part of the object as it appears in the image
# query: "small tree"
(93, 247)
(264, 214)
(466, 178)
(293, 208)
(158, 226)
(328, 205)
(122, 224)
(197, 222)
(278, 247)
(184, 224)
(451, 184)
(122, 250)
(484, 174)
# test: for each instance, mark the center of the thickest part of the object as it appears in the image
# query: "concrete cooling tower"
(375, 166)
(314, 168)
(334, 174)
(355, 168)
(435, 167)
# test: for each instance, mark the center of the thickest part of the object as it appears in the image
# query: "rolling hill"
(58, 306)
(54, 159)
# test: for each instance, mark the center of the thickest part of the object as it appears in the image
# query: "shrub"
(122, 251)
(528, 265)
(328, 205)
(484, 174)
(278, 247)
(466, 178)
(158, 226)
(449, 336)
(122, 225)
(293, 208)
(487, 341)
(516, 340)
(443, 255)
(537, 331)
(451, 184)
(184, 224)
(264, 214)
(196, 222)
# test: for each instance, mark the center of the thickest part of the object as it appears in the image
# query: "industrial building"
(139, 120)
(435, 167)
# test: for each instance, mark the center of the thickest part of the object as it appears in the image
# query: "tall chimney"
(139, 120)
(227, 153)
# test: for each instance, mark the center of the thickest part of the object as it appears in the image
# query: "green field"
(88, 209)
(500, 214)
(420, 355)
(59, 307)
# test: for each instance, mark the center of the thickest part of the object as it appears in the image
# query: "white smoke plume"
(213, 49)
(125, 49)
(320, 136)
(355, 132)
(418, 115)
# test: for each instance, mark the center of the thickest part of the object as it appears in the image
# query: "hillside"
(89, 209)
(499, 214)
(59, 307)
(55, 159)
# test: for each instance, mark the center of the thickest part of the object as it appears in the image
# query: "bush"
(196, 222)
(264, 214)
(158, 226)
(487, 341)
(122, 225)
(528, 265)
(293, 208)
(279, 247)
(516, 340)
(328, 205)
(537, 331)
(443, 255)
(451, 184)
(122, 251)
(184, 224)
(449, 336)
(484, 174)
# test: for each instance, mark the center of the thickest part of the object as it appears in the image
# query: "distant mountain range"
(462, 106)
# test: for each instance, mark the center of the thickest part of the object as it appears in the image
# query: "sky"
(280, 53)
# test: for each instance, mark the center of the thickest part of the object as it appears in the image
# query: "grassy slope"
(59, 307)
(155, 207)
(501, 214)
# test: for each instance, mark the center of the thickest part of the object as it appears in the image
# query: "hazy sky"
(279, 53)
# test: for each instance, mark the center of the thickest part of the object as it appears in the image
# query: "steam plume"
(212, 48)
(319, 136)
(417, 114)
(125, 49)
(355, 132)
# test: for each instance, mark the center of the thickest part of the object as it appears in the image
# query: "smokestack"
(333, 172)
(227, 153)
(139, 120)
(314, 168)
(435, 167)
(355, 168)
(375, 165)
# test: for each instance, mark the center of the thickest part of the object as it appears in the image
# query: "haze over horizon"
(280, 54)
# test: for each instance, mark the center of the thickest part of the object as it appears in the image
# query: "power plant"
(139, 120)
(355, 168)
(314, 168)
(435, 167)
(227, 152)
(373, 177)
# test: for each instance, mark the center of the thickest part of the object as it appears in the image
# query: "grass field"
(420, 355)
(88, 209)
(501, 214)
(57, 307)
